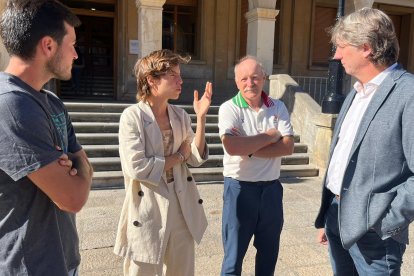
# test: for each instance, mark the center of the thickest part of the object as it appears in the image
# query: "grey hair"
(372, 27)
(252, 58)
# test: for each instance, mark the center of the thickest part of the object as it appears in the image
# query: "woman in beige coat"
(162, 214)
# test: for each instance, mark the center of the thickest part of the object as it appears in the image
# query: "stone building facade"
(289, 36)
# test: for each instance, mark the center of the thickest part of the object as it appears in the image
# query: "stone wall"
(315, 128)
(4, 56)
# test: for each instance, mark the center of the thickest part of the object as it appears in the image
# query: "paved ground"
(300, 255)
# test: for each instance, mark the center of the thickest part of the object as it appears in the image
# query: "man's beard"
(57, 69)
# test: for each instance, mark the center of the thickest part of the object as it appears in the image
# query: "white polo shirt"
(237, 113)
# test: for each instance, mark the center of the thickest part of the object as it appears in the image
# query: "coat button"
(141, 193)
(189, 178)
(136, 223)
(200, 201)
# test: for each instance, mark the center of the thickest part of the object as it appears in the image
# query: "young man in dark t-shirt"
(45, 176)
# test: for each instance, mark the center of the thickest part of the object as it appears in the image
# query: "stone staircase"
(90, 87)
(96, 126)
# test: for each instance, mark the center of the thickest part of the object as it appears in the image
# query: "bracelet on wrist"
(180, 156)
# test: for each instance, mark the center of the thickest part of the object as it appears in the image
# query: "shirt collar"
(369, 87)
(241, 102)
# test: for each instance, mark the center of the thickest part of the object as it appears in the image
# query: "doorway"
(93, 71)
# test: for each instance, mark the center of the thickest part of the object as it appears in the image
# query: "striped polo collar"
(241, 102)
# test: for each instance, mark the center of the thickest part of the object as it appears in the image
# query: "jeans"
(370, 255)
(251, 209)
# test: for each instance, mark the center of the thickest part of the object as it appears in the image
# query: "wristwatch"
(181, 156)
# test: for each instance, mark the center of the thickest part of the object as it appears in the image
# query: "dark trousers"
(369, 256)
(251, 209)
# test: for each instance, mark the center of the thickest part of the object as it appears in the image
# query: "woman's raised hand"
(202, 105)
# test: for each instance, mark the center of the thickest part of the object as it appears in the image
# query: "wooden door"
(93, 72)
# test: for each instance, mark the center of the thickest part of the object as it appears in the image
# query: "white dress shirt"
(349, 128)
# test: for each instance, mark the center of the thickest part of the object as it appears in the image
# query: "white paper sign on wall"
(133, 47)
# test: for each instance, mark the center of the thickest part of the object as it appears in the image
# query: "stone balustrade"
(315, 128)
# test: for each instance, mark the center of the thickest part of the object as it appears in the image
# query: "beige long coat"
(142, 225)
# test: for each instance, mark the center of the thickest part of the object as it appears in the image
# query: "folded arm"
(245, 145)
(137, 163)
(69, 192)
(283, 147)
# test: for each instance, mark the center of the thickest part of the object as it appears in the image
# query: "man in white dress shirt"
(368, 189)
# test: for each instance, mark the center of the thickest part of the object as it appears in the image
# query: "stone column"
(149, 25)
(261, 31)
(359, 4)
(351, 6)
(4, 56)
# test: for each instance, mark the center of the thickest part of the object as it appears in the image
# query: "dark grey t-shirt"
(36, 237)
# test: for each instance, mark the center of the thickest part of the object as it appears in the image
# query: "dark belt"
(260, 183)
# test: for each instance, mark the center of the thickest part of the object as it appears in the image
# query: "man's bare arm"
(68, 192)
(283, 147)
(245, 145)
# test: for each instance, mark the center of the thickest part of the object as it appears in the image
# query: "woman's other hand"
(185, 149)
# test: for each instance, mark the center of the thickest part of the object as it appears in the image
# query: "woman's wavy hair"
(372, 27)
(156, 64)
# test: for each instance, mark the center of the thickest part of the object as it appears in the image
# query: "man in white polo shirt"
(256, 132)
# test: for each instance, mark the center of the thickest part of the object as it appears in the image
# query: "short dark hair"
(24, 23)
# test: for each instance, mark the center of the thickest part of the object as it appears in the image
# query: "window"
(402, 18)
(403, 40)
(277, 51)
(179, 26)
(321, 50)
(243, 28)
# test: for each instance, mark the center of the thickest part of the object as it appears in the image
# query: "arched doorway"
(93, 71)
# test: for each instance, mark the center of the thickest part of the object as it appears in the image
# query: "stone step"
(98, 79)
(86, 127)
(113, 150)
(114, 117)
(73, 106)
(95, 107)
(114, 179)
(99, 127)
(101, 150)
(114, 163)
(94, 117)
(106, 145)
(99, 132)
(84, 83)
(89, 94)
(112, 138)
(98, 138)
